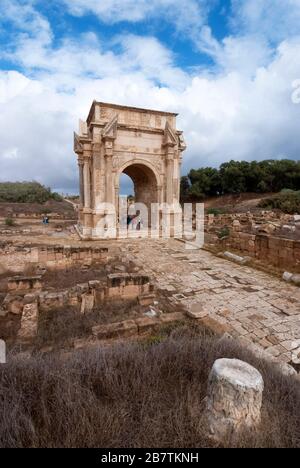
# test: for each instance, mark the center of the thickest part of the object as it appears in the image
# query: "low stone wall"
(38, 216)
(127, 285)
(24, 284)
(26, 301)
(15, 232)
(244, 219)
(17, 258)
(276, 251)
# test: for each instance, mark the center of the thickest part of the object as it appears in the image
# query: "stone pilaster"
(169, 175)
(87, 184)
(96, 175)
(81, 182)
(108, 155)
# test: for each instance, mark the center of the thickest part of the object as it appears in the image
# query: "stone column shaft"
(170, 176)
(109, 171)
(81, 184)
(87, 184)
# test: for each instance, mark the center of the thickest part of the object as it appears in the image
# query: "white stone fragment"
(236, 258)
(234, 398)
(287, 276)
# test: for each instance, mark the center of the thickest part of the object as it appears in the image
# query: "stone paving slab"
(255, 306)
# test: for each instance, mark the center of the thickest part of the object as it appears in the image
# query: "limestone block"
(172, 317)
(197, 315)
(24, 283)
(94, 284)
(82, 288)
(234, 398)
(236, 258)
(13, 304)
(87, 303)
(29, 321)
(146, 299)
(287, 276)
(290, 277)
(111, 330)
(196, 311)
(146, 323)
(216, 326)
(236, 225)
(267, 228)
(296, 279)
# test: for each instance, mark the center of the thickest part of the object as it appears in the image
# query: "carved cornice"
(80, 143)
(110, 130)
(182, 144)
(170, 137)
(78, 147)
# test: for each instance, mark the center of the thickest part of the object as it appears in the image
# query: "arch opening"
(144, 189)
(144, 183)
(126, 187)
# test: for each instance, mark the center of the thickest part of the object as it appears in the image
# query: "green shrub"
(224, 232)
(215, 211)
(9, 222)
(287, 201)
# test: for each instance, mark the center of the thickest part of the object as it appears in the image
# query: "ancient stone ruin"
(141, 143)
(234, 398)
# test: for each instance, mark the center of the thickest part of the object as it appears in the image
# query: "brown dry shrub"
(134, 395)
(60, 326)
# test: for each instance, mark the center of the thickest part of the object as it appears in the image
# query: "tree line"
(236, 177)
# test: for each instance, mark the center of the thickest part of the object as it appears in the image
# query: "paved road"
(258, 307)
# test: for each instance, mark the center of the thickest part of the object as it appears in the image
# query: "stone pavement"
(252, 305)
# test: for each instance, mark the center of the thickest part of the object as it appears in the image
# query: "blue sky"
(229, 67)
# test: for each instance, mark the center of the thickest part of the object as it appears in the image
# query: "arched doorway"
(145, 182)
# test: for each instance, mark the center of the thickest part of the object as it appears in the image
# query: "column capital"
(108, 143)
(96, 146)
(87, 155)
(170, 154)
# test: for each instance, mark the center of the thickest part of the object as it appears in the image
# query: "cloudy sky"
(229, 67)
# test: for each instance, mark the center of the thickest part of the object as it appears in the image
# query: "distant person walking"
(138, 220)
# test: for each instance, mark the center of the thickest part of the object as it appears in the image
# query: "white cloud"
(242, 110)
(274, 19)
(25, 17)
(188, 17)
(184, 14)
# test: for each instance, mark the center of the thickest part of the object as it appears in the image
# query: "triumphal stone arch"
(142, 143)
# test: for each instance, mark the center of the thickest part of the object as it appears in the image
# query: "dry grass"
(66, 278)
(134, 395)
(60, 326)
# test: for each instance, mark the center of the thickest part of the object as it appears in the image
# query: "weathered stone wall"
(26, 299)
(247, 219)
(273, 238)
(277, 251)
(24, 284)
(127, 285)
(17, 258)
